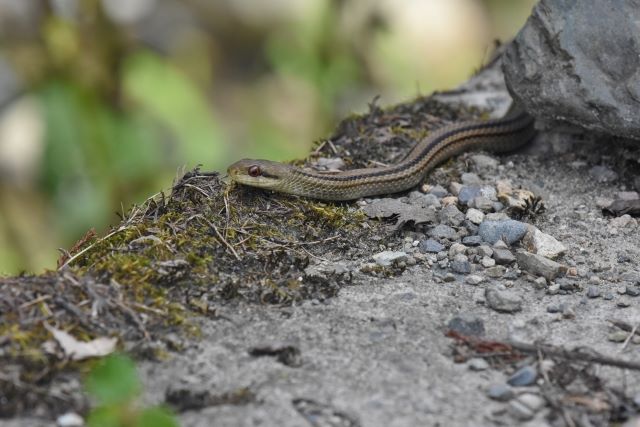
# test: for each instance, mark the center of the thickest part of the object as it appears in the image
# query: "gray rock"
(593, 292)
(431, 246)
(439, 191)
(509, 230)
(442, 231)
(468, 178)
(488, 262)
(578, 62)
(500, 392)
(603, 174)
(423, 200)
(475, 216)
(468, 193)
(387, 258)
(523, 377)
(472, 240)
(485, 250)
(474, 279)
(455, 249)
(503, 301)
(495, 272)
(539, 265)
(483, 163)
(632, 291)
(482, 203)
(540, 243)
(461, 264)
(466, 324)
(503, 256)
(451, 215)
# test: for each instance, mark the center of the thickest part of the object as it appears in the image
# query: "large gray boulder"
(579, 62)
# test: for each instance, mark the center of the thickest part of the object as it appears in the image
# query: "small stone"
(449, 278)
(539, 265)
(468, 192)
(455, 249)
(495, 272)
(455, 188)
(482, 203)
(500, 244)
(525, 406)
(475, 216)
(553, 289)
(439, 191)
(483, 163)
(603, 174)
(537, 242)
(431, 246)
(593, 292)
(474, 279)
(387, 258)
(504, 186)
(622, 221)
(623, 303)
(485, 250)
(70, 419)
(503, 257)
(442, 231)
(618, 336)
(461, 264)
(451, 215)
(627, 195)
(503, 301)
(540, 283)
(450, 200)
(468, 178)
(594, 280)
(554, 308)
(472, 240)
(510, 231)
(478, 364)
(523, 377)
(487, 262)
(632, 291)
(500, 392)
(603, 202)
(423, 200)
(466, 324)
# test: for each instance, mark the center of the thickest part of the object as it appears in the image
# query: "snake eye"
(254, 171)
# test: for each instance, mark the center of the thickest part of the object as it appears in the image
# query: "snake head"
(258, 173)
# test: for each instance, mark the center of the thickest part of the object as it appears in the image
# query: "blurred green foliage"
(114, 384)
(125, 104)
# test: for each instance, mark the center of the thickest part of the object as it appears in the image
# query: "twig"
(575, 354)
(631, 334)
(222, 239)
(113, 233)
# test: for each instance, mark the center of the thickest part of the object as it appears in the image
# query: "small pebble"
(540, 283)
(474, 279)
(438, 191)
(449, 278)
(478, 364)
(431, 246)
(472, 240)
(461, 264)
(467, 324)
(632, 291)
(523, 377)
(618, 336)
(70, 419)
(456, 249)
(485, 250)
(500, 392)
(468, 178)
(475, 216)
(495, 272)
(593, 292)
(487, 262)
(503, 256)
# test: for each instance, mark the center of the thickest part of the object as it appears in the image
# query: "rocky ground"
(499, 293)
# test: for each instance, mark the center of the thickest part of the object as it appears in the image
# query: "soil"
(249, 308)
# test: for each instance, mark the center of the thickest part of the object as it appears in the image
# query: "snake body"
(498, 135)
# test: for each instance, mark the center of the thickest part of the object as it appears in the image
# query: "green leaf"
(113, 380)
(156, 417)
(105, 416)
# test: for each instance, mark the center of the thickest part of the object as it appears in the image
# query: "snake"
(504, 134)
